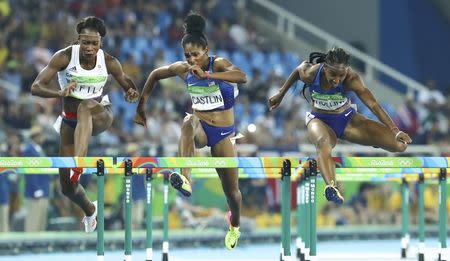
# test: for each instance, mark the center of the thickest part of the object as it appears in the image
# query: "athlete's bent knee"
(188, 124)
(85, 106)
(323, 144)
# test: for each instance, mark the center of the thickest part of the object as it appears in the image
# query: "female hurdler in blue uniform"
(329, 77)
(211, 83)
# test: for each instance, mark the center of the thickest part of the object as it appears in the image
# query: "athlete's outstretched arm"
(178, 68)
(354, 83)
(223, 70)
(299, 73)
(41, 86)
(115, 69)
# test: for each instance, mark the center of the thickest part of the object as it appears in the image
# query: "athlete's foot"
(233, 234)
(90, 223)
(181, 183)
(332, 194)
(75, 174)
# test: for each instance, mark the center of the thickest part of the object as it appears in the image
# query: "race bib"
(205, 98)
(328, 102)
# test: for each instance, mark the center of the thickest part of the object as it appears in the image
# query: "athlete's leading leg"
(364, 131)
(324, 139)
(92, 117)
(192, 136)
(230, 185)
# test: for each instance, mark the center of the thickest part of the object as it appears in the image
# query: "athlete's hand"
(403, 137)
(140, 117)
(131, 95)
(68, 89)
(275, 100)
(197, 71)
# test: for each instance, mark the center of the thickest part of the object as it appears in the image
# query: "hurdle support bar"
(148, 219)
(443, 215)
(307, 216)
(100, 210)
(421, 254)
(405, 218)
(300, 244)
(286, 211)
(312, 209)
(165, 244)
(128, 199)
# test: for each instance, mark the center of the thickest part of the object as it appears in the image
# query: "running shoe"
(90, 223)
(232, 236)
(332, 194)
(181, 183)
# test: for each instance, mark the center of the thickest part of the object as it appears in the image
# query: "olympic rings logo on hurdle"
(406, 162)
(220, 162)
(34, 163)
(392, 163)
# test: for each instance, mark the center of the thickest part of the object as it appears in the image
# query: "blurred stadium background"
(399, 47)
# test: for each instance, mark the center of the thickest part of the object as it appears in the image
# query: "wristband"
(207, 75)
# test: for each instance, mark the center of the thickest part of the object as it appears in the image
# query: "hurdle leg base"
(298, 253)
(421, 257)
(403, 254)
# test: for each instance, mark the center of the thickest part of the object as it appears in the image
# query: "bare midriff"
(217, 118)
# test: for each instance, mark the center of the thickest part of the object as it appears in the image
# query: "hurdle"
(256, 167)
(50, 165)
(382, 169)
(203, 167)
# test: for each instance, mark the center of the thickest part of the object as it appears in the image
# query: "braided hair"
(336, 55)
(194, 25)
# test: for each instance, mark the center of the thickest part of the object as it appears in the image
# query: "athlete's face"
(90, 42)
(196, 54)
(335, 73)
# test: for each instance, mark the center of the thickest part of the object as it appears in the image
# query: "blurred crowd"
(144, 35)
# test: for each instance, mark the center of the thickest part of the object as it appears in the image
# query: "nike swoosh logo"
(347, 113)
(233, 245)
(225, 133)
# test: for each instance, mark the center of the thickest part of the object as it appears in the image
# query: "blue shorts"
(337, 122)
(215, 134)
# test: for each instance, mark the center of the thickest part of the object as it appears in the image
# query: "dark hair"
(334, 56)
(194, 25)
(92, 22)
